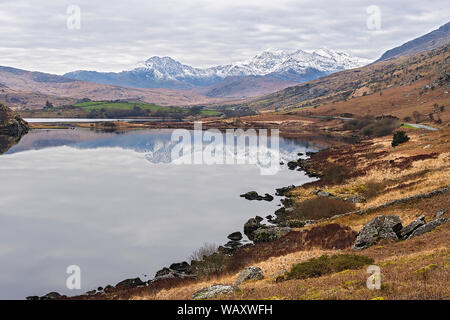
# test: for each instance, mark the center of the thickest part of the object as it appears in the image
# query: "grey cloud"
(115, 35)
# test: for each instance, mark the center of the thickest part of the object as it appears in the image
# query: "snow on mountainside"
(286, 65)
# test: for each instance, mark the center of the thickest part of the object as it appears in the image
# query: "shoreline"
(355, 155)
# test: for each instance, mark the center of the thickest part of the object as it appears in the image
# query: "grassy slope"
(399, 261)
(418, 70)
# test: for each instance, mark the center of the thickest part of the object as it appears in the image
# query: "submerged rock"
(253, 195)
(212, 291)
(382, 227)
(235, 236)
(250, 273)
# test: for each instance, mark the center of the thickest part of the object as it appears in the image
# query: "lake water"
(96, 200)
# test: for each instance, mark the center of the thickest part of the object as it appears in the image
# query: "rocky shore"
(12, 128)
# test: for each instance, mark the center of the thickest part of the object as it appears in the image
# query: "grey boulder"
(251, 273)
(381, 227)
(269, 233)
(235, 236)
(213, 291)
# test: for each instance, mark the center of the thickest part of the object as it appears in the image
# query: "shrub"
(206, 261)
(325, 264)
(320, 207)
(312, 268)
(335, 174)
(399, 138)
(211, 265)
(372, 189)
(206, 250)
(370, 126)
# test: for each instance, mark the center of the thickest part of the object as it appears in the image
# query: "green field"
(98, 105)
(408, 126)
(110, 105)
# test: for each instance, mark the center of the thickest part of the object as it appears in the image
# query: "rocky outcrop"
(428, 227)
(130, 283)
(382, 227)
(390, 227)
(213, 291)
(284, 190)
(12, 128)
(250, 273)
(269, 233)
(11, 124)
(180, 270)
(51, 296)
(406, 231)
(250, 226)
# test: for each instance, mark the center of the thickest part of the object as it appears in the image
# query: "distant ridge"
(426, 42)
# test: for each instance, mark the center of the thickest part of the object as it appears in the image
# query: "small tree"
(48, 105)
(399, 138)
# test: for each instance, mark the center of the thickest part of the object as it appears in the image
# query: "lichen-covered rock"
(440, 213)
(406, 231)
(428, 227)
(250, 226)
(130, 283)
(250, 273)
(51, 296)
(213, 291)
(11, 124)
(269, 233)
(175, 271)
(382, 227)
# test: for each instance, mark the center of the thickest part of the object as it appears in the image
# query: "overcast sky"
(115, 35)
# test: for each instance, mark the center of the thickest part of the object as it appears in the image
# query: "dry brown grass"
(399, 263)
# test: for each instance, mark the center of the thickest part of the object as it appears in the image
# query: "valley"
(363, 178)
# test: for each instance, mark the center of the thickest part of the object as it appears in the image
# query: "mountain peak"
(293, 65)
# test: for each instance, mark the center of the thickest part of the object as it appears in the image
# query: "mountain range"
(268, 80)
(285, 66)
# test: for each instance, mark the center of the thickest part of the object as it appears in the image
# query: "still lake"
(94, 199)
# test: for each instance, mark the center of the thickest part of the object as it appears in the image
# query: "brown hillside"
(421, 73)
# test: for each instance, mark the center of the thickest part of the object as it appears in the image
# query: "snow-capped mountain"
(286, 65)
